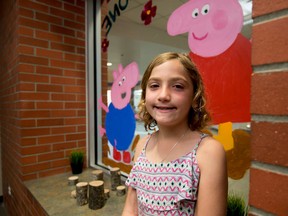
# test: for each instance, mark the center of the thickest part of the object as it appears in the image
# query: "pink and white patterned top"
(166, 188)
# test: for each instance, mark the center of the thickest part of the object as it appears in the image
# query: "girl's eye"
(153, 86)
(123, 78)
(120, 83)
(195, 13)
(178, 86)
(205, 9)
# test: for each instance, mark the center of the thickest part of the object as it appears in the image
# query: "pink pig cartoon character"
(221, 53)
(120, 119)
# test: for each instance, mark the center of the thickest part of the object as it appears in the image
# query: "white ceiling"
(129, 40)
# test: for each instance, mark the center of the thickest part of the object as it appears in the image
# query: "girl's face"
(169, 94)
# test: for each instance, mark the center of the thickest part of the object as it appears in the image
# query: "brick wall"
(42, 93)
(269, 109)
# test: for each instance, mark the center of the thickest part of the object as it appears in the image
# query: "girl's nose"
(164, 94)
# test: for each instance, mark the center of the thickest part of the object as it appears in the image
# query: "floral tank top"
(166, 188)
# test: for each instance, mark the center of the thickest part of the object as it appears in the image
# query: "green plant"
(236, 205)
(76, 157)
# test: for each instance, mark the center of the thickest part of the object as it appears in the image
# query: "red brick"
(49, 36)
(49, 122)
(60, 163)
(262, 7)
(268, 191)
(50, 156)
(33, 113)
(22, 30)
(49, 88)
(35, 132)
(81, 113)
(33, 60)
(33, 23)
(79, 136)
(63, 97)
(35, 167)
(28, 141)
(36, 6)
(81, 82)
(62, 64)
(74, 57)
(270, 42)
(62, 13)
(74, 41)
(75, 121)
(75, 25)
(52, 54)
(65, 145)
(268, 93)
(63, 113)
(25, 68)
(33, 42)
(77, 105)
(53, 3)
(50, 105)
(63, 130)
(268, 142)
(63, 80)
(62, 30)
(33, 96)
(49, 70)
(27, 123)
(26, 87)
(26, 12)
(63, 47)
(80, 3)
(22, 49)
(48, 18)
(74, 89)
(29, 160)
(27, 77)
(75, 73)
(35, 149)
(77, 10)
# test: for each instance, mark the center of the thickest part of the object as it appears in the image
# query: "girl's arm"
(131, 205)
(213, 185)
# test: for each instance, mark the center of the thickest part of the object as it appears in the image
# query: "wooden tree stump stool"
(81, 193)
(96, 195)
(97, 175)
(121, 190)
(115, 177)
(106, 194)
(73, 180)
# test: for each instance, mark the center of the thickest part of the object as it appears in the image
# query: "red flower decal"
(105, 44)
(148, 12)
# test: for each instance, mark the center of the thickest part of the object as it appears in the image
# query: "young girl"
(178, 170)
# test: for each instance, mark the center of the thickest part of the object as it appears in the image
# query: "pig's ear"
(179, 20)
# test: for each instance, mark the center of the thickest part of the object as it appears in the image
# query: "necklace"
(178, 141)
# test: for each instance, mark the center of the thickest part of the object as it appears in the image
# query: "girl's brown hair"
(198, 117)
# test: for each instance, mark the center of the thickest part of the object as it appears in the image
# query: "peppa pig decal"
(223, 57)
(221, 53)
(120, 119)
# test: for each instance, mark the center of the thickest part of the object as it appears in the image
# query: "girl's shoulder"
(210, 150)
(141, 145)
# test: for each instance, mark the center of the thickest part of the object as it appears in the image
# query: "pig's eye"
(123, 78)
(195, 13)
(205, 9)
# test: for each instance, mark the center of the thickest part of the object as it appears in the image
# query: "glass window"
(121, 32)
